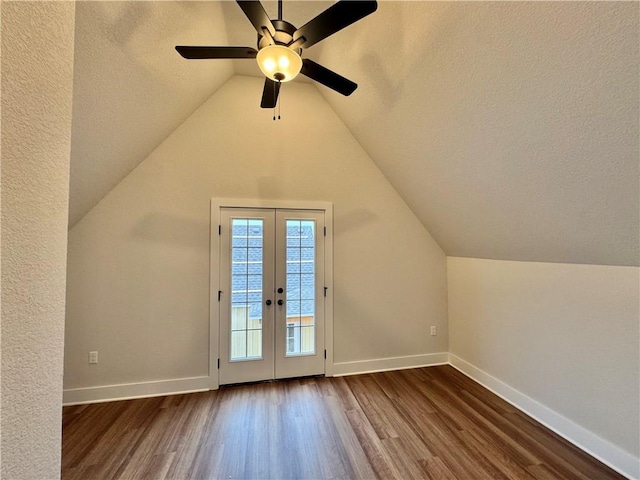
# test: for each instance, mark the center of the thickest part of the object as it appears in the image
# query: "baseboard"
(612, 456)
(392, 363)
(110, 393)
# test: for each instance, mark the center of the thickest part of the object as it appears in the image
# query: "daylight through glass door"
(300, 270)
(246, 288)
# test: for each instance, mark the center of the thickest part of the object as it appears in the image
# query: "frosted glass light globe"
(279, 63)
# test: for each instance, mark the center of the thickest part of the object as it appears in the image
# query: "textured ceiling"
(510, 128)
(131, 89)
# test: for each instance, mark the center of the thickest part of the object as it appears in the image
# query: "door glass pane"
(300, 293)
(246, 288)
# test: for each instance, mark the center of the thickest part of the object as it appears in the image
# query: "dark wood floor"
(432, 423)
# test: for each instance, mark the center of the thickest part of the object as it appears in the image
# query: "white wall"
(37, 78)
(564, 335)
(138, 262)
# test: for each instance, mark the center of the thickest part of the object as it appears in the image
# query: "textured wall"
(565, 335)
(37, 74)
(138, 264)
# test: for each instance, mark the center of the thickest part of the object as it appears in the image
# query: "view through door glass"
(300, 291)
(246, 288)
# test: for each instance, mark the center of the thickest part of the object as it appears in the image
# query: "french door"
(271, 294)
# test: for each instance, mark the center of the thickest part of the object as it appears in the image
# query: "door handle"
(268, 302)
(280, 302)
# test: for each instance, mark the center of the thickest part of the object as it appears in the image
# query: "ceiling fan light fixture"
(280, 46)
(279, 63)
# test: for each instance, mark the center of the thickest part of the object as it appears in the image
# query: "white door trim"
(214, 269)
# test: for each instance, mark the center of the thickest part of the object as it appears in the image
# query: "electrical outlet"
(434, 332)
(93, 357)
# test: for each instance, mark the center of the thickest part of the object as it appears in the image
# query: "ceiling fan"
(280, 45)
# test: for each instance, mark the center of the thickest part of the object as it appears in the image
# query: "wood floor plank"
(435, 469)
(347, 441)
(559, 454)
(405, 462)
(432, 423)
(377, 456)
(543, 472)
(370, 398)
(201, 417)
(458, 456)
(494, 455)
(401, 424)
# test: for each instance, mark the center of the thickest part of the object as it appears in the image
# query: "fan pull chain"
(278, 101)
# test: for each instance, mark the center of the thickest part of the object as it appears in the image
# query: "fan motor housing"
(283, 36)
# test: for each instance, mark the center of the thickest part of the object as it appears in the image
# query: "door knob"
(280, 302)
(280, 290)
(268, 302)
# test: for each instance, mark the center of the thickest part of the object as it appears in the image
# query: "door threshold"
(276, 380)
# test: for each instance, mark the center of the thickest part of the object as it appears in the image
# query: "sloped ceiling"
(510, 128)
(131, 89)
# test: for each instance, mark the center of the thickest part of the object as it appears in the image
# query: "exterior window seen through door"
(246, 288)
(300, 271)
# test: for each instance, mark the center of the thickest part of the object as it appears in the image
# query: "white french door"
(271, 294)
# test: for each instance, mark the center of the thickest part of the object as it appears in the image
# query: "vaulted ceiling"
(509, 128)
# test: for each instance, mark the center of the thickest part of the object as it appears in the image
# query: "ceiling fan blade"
(334, 19)
(254, 11)
(328, 78)
(201, 52)
(270, 93)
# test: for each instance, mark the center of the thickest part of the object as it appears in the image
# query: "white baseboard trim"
(392, 363)
(616, 458)
(128, 391)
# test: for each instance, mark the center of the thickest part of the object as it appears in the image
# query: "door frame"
(214, 270)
